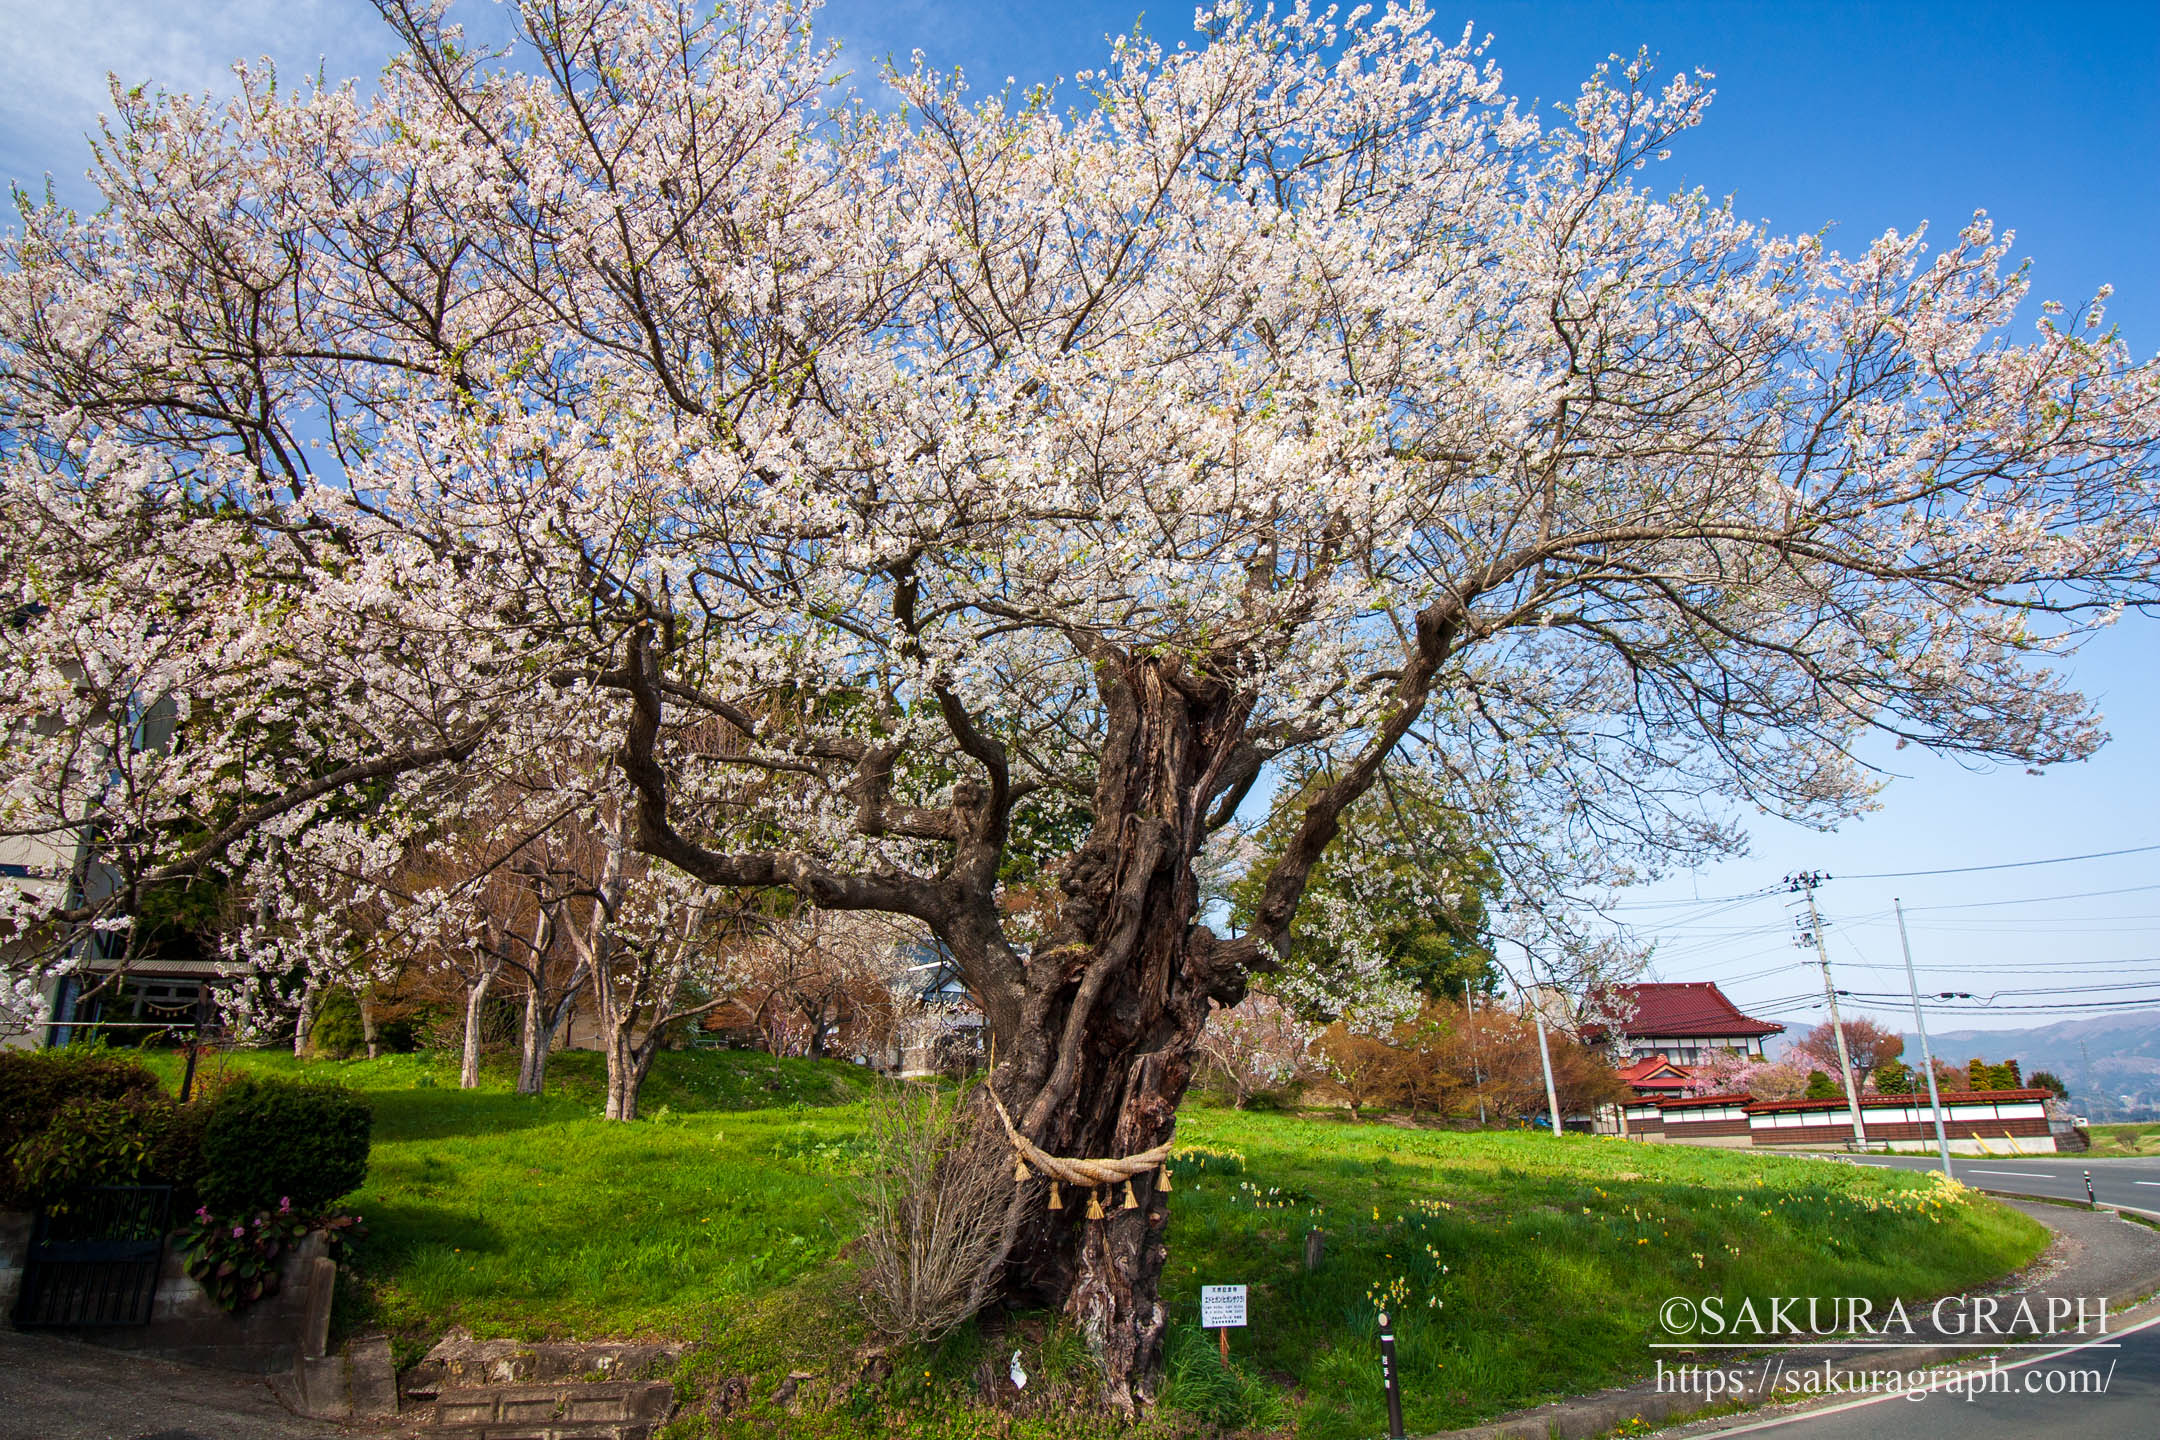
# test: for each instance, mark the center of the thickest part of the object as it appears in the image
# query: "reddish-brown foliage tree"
(1868, 1043)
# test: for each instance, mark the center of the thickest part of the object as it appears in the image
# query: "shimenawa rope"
(1084, 1173)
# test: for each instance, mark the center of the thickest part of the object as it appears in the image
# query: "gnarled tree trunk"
(1103, 1047)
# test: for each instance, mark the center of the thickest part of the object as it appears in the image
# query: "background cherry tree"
(985, 495)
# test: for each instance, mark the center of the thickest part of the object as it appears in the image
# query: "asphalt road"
(2107, 1390)
(2094, 1393)
(2132, 1182)
(54, 1389)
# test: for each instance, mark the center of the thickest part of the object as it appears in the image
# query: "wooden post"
(1222, 1334)
(1389, 1380)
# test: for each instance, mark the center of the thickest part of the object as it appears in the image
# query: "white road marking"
(2145, 1182)
(2015, 1174)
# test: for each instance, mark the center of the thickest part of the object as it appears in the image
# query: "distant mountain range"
(2111, 1063)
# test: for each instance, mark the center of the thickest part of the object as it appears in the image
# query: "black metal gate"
(97, 1262)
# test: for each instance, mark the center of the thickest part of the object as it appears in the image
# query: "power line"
(1744, 896)
(2068, 1007)
(1692, 935)
(2042, 927)
(1945, 1007)
(2006, 865)
(2026, 967)
(2032, 899)
(1992, 995)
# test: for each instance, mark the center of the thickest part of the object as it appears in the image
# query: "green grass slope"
(1519, 1267)
(533, 1217)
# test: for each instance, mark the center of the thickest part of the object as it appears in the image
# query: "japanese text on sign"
(1221, 1306)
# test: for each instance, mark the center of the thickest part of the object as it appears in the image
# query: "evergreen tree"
(2049, 1080)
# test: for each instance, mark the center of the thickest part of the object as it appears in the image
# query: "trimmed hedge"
(41, 1088)
(270, 1141)
(134, 1140)
(80, 1116)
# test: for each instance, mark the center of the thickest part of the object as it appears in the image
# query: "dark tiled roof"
(1694, 1009)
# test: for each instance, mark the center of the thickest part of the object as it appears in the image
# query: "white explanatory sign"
(1221, 1306)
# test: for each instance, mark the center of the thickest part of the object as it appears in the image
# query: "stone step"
(573, 1410)
(460, 1362)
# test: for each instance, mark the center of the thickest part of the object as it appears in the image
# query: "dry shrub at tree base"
(936, 1204)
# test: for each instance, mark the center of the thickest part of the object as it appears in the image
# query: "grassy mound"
(1518, 1267)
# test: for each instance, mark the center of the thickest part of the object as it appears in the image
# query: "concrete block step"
(460, 1362)
(593, 1410)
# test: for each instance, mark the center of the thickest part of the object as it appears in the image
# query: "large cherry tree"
(961, 510)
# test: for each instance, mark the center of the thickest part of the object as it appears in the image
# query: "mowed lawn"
(1517, 1267)
(533, 1217)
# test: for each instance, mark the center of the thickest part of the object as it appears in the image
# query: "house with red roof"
(1683, 1022)
(1653, 1077)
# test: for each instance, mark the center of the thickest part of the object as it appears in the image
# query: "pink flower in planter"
(284, 1203)
(239, 1231)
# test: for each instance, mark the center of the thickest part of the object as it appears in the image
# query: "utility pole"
(1805, 883)
(1544, 1050)
(1537, 1014)
(1927, 1056)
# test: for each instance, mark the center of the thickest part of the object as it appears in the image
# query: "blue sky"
(1854, 116)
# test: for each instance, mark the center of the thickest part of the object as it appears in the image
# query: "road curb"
(1594, 1415)
(2133, 1292)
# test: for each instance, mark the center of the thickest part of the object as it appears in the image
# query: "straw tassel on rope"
(1087, 1174)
